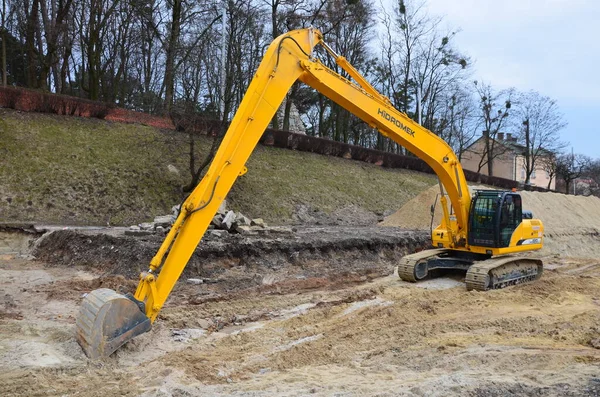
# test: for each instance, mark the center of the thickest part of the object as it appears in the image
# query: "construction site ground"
(312, 307)
(296, 323)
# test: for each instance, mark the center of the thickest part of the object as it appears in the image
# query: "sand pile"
(572, 223)
(416, 213)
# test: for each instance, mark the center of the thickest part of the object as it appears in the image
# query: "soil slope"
(70, 170)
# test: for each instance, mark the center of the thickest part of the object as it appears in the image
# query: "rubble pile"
(224, 222)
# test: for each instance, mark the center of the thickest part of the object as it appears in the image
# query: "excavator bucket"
(107, 320)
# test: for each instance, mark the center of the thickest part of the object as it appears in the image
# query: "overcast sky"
(551, 46)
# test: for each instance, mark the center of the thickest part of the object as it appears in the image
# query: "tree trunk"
(171, 52)
(93, 52)
(4, 77)
(288, 107)
(321, 116)
(490, 157)
(528, 167)
(93, 75)
(64, 68)
(567, 186)
(30, 44)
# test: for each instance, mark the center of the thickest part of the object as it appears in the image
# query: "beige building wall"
(539, 177)
(503, 164)
(506, 166)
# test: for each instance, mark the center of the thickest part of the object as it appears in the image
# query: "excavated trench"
(305, 258)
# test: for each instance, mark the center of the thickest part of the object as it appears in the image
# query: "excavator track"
(413, 267)
(502, 272)
(482, 275)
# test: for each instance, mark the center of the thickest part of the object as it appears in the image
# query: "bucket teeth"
(106, 321)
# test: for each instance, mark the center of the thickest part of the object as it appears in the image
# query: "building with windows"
(509, 161)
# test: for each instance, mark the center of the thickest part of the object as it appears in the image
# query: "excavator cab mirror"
(432, 209)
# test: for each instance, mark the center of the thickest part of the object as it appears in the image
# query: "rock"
(245, 230)
(595, 343)
(204, 323)
(228, 220)
(258, 222)
(222, 208)
(242, 220)
(217, 220)
(134, 227)
(146, 226)
(172, 169)
(164, 220)
(160, 229)
(281, 229)
(217, 233)
(139, 232)
(195, 281)
(263, 232)
(175, 209)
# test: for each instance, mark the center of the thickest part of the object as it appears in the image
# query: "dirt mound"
(572, 223)
(416, 214)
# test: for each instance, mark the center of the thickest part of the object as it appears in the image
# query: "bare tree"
(459, 123)
(494, 107)
(571, 166)
(347, 28)
(245, 39)
(593, 173)
(540, 123)
(55, 17)
(418, 58)
(550, 165)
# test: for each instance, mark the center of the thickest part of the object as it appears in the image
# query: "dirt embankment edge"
(362, 251)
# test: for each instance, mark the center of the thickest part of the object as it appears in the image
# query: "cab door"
(483, 218)
(511, 216)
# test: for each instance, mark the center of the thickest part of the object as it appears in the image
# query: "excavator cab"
(493, 218)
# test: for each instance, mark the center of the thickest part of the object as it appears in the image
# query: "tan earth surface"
(324, 336)
(385, 337)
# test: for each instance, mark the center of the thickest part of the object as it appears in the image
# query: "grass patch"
(73, 170)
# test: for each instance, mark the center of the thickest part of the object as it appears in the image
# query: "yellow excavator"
(477, 232)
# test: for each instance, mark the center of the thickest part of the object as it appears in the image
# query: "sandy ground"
(380, 337)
